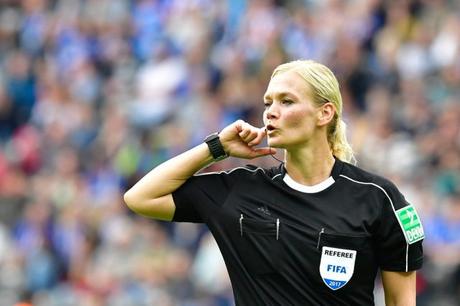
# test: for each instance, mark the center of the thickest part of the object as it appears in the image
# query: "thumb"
(258, 152)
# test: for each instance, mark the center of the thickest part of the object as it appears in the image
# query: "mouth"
(270, 128)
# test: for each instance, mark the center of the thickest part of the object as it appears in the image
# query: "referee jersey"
(289, 244)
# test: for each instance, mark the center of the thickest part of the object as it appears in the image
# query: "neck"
(310, 165)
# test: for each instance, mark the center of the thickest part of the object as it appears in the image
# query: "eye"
(267, 104)
(287, 101)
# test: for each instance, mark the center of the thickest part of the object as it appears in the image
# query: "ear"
(325, 113)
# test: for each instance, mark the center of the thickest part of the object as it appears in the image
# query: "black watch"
(215, 147)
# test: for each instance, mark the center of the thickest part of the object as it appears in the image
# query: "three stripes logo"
(411, 225)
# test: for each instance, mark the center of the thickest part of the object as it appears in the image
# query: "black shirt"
(288, 244)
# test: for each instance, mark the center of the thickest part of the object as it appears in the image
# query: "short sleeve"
(201, 195)
(400, 234)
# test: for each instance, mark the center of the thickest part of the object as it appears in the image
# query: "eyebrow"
(279, 95)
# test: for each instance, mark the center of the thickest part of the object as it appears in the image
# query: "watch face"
(211, 137)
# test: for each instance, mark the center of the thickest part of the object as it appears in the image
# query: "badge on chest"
(336, 266)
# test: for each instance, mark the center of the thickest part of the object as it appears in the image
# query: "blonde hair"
(325, 88)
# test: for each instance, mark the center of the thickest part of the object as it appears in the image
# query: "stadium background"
(95, 93)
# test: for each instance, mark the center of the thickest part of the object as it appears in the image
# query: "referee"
(314, 230)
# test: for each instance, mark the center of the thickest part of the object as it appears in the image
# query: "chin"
(275, 144)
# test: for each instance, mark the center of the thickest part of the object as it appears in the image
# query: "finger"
(258, 152)
(244, 133)
(261, 133)
(252, 135)
(239, 124)
(230, 132)
(248, 132)
(244, 128)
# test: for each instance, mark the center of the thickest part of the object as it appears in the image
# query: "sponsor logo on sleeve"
(336, 266)
(410, 224)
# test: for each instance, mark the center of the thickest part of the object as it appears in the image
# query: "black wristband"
(215, 147)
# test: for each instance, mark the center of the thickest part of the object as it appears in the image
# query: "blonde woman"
(313, 231)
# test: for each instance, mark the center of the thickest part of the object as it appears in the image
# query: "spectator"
(95, 93)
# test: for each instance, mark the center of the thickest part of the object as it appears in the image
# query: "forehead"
(289, 82)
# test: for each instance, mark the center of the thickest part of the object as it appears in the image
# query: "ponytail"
(337, 138)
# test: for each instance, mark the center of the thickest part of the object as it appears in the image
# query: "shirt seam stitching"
(392, 206)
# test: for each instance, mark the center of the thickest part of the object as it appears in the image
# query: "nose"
(271, 112)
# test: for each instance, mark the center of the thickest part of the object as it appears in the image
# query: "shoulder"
(360, 177)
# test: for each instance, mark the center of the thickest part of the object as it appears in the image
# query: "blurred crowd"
(95, 93)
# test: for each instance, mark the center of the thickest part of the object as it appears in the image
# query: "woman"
(313, 231)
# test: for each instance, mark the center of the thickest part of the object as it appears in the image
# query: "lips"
(270, 128)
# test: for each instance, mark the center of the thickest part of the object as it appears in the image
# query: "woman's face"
(290, 115)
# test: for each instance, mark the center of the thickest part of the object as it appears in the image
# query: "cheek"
(297, 118)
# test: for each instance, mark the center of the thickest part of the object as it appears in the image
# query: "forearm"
(152, 195)
(400, 302)
(170, 175)
(408, 301)
(399, 288)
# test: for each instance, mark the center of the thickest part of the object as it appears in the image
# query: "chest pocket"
(345, 260)
(259, 244)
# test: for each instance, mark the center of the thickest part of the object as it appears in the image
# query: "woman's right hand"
(240, 138)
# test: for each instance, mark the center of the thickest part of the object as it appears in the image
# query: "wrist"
(215, 147)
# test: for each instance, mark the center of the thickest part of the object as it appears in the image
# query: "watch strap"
(215, 147)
